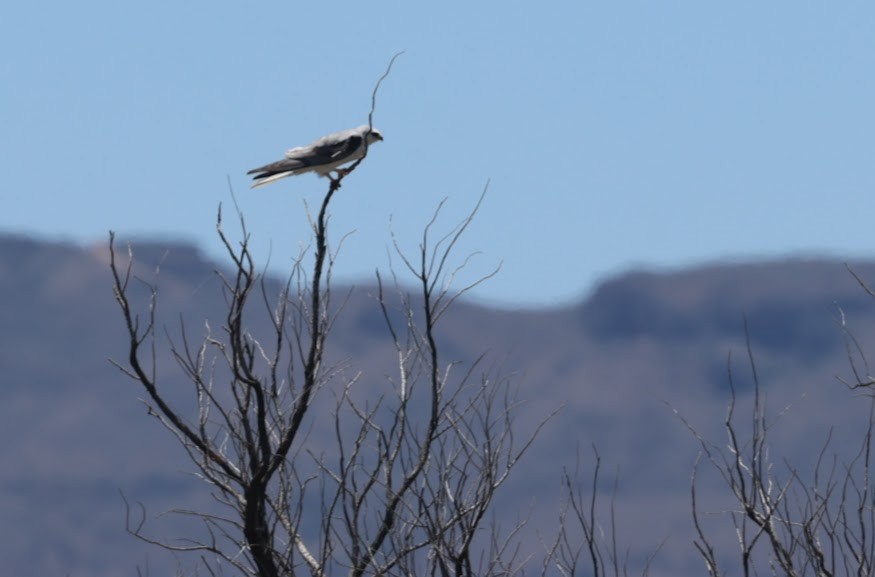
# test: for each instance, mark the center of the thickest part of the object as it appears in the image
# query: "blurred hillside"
(77, 435)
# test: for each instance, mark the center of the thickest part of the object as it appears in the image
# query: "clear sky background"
(614, 134)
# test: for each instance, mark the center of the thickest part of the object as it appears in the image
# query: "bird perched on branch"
(323, 156)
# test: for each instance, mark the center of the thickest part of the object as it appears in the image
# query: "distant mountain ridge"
(785, 300)
(78, 434)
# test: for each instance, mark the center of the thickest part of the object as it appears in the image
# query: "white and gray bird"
(323, 156)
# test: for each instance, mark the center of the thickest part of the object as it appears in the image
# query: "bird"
(322, 156)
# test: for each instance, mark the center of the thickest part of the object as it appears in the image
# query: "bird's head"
(374, 135)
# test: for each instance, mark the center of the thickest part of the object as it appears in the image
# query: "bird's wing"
(325, 151)
(284, 165)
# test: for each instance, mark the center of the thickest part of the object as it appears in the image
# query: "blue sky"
(613, 134)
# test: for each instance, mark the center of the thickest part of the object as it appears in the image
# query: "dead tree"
(787, 521)
(586, 540)
(407, 486)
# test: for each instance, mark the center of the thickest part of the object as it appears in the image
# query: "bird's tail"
(267, 178)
